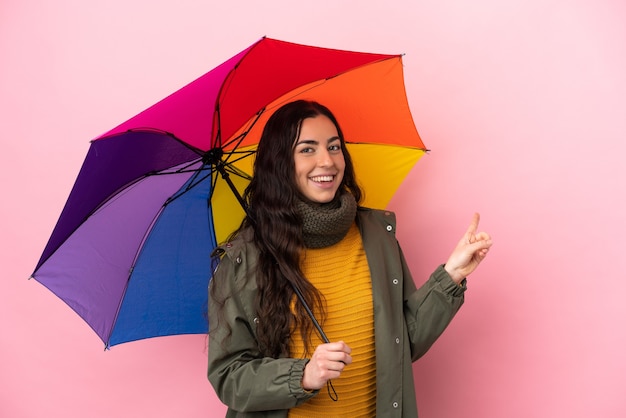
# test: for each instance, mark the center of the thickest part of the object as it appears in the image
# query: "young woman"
(305, 232)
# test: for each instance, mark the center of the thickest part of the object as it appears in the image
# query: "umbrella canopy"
(130, 252)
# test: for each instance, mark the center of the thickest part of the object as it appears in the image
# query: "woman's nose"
(324, 159)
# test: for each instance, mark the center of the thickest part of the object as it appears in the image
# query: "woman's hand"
(469, 252)
(327, 362)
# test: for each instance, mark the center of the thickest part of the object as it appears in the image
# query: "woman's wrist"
(456, 277)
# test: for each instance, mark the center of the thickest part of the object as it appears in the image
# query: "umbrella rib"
(164, 132)
(130, 273)
(193, 182)
(382, 144)
(239, 138)
(228, 80)
(241, 155)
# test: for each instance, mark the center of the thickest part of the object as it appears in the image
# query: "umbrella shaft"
(220, 168)
(310, 313)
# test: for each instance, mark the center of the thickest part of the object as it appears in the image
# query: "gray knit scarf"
(326, 224)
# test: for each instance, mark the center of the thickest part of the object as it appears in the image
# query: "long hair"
(271, 196)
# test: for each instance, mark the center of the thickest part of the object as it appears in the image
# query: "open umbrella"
(130, 252)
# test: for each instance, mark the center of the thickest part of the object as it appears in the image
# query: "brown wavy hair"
(271, 197)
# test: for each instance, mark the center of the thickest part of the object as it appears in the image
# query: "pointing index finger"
(471, 230)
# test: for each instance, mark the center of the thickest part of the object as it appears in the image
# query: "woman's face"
(318, 158)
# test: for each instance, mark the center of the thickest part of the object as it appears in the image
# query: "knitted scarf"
(327, 223)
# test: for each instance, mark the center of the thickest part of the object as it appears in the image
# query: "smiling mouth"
(322, 179)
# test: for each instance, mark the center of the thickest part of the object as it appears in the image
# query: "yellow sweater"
(341, 273)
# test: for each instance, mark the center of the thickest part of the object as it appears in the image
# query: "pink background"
(522, 103)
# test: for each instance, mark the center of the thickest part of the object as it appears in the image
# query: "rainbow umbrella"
(130, 252)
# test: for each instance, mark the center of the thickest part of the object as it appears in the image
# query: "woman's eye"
(334, 148)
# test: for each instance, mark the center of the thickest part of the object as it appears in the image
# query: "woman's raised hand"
(469, 252)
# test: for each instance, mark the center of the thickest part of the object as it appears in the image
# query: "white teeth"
(320, 179)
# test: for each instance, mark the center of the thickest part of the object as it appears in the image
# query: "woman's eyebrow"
(316, 142)
(307, 142)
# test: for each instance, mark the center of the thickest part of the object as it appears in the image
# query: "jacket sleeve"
(430, 308)
(243, 379)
